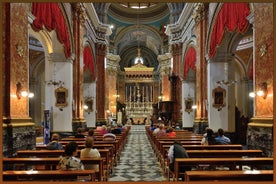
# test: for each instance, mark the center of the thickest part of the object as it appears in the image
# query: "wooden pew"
(47, 175)
(237, 175)
(105, 154)
(52, 162)
(209, 147)
(229, 162)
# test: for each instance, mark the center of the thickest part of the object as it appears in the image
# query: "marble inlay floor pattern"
(137, 162)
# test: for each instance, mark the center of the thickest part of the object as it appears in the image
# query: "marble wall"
(21, 137)
(260, 138)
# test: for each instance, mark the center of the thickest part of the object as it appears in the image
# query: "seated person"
(90, 134)
(90, 152)
(70, 161)
(162, 131)
(103, 130)
(209, 139)
(221, 138)
(171, 132)
(177, 151)
(54, 144)
(109, 136)
(79, 133)
(116, 130)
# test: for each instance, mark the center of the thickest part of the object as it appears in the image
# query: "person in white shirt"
(90, 152)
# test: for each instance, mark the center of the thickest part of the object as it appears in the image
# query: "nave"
(138, 161)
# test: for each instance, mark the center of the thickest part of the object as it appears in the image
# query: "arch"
(231, 17)
(52, 19)
(190, 61)
(128, 33)
(88, 62)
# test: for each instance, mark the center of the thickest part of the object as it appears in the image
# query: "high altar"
(141, 92)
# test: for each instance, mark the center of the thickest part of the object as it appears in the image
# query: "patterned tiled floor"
(137, 162)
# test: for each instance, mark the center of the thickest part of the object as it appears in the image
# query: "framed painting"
(61, 94)
(219, 95)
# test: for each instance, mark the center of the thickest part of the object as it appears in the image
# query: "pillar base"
(78, 123)
(200, 125)
(16, 130)
(101, 121)
(260, 135)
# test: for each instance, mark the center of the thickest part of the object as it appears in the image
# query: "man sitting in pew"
(69, 161)
(177, 151)
(221, 138)
(54, 144)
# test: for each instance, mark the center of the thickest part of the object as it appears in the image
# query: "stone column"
(78, 32)
(112, 89)
(260, 129)
(176, 82)
(201, 120)
(165, 67)
(17, 124)
(100, 83)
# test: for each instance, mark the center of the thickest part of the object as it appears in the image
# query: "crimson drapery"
(88, 61)
(50, 15)
(190, 61)
(232, 17)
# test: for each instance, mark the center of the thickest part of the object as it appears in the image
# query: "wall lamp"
(261, 92)
(20, 93)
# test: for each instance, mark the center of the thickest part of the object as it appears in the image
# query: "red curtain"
(232, 17)
(88, 61)
(190, 61)
(50, 15)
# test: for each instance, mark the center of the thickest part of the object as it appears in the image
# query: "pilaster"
(100, 83)
(78, 32)
(199, 15)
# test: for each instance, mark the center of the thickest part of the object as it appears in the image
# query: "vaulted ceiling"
(138, 25)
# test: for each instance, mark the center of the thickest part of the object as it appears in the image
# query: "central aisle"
(137, 162)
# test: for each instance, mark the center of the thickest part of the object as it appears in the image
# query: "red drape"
(50, 15)
(88, 61)
(190, 61)
(232, 17)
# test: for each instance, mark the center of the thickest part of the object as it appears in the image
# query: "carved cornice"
(165, 63)
(199, 12)
(182, 29)
(79, 12)
(95, 29)
(112, 64)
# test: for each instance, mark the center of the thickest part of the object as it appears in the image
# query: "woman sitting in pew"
(69, 161)
(209, 138)
(90, 152)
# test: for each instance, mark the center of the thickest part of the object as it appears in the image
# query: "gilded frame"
(61, 94)
(188, 105)
(219, 95)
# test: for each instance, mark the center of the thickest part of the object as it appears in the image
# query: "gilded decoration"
(61, 94)
(219, 95)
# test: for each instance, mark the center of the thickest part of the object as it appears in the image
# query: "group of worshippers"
(70, 161)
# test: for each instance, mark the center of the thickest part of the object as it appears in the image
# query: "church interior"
(187, 65)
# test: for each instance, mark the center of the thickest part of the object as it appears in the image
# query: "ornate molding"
(79, 12)
(199, 12)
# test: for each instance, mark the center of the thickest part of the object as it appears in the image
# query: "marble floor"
(137, 162)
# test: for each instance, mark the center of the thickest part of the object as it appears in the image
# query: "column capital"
(199, 12)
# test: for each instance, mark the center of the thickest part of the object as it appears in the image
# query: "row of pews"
(211, 162)
(41, 164)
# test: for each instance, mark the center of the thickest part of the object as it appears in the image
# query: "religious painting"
(188, 105)
(61, 94)
(219, 95)
(89, 102)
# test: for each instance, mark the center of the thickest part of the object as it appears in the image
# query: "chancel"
(135, 82)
